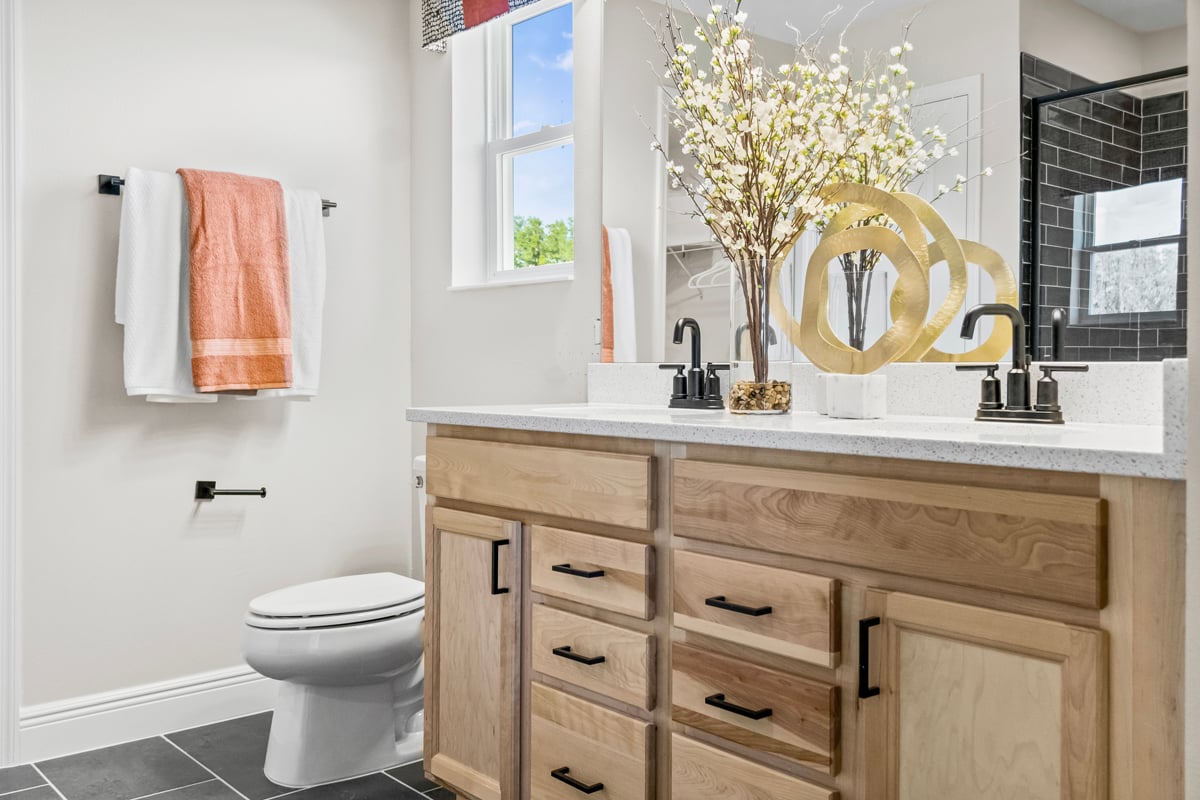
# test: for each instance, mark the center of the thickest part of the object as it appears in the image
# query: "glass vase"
(858, 299)
(755, 336)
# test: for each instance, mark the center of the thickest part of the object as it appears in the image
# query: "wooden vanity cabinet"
(967, 703)
(472, 653)
(800, 626)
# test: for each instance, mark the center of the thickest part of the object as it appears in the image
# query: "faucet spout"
(1058, 332)
(689, 324)
(695, 375)
(1018, 376)
(1019, 359)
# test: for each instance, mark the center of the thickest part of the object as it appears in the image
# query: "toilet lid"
(352, 594)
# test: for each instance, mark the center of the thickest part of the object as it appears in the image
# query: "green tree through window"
(535, 243)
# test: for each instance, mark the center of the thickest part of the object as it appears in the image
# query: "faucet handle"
(1049, 369)
(712, 384)
(989, 391)
(678, 380)
(1047, 387)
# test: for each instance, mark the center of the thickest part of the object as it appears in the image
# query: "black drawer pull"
(718, 700)
(563, 774)
(720, 602)
(865, 689)
(496, 587)
(565, 652)
(578, 573)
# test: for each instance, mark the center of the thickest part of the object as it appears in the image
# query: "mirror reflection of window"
(1127, 249)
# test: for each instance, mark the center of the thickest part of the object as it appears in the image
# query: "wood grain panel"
(802, 727)
(597, 746)
(609, 488)
(628, 569)
(701, 772)
(1145, 623)
(803, 621)
(982, 705)
(627, 672)
(472, 654)
(1034, 480)
(1029, 543)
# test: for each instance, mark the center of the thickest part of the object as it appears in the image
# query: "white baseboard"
(85, 723)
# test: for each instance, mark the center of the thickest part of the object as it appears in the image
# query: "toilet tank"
(419, 497)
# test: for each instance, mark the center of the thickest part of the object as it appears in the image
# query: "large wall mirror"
(1077, 106)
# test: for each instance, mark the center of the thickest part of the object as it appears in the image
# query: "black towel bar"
(111, 184)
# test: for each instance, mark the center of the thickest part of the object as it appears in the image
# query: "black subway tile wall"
(1097, 143)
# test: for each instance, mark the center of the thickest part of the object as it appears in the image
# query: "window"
(530, 149)
(1128, 251)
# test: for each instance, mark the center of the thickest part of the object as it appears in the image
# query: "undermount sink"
(601, 409)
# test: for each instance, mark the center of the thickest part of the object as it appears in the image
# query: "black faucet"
(1018, 376)
(701, 388)
(1019, 407)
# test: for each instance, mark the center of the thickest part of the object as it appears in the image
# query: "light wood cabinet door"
(975, 704)
(472, 655)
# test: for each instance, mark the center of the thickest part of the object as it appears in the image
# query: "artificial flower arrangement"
(768, 144)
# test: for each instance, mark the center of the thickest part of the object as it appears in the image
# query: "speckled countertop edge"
(1125, 450)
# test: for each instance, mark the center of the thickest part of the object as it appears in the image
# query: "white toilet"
(348, 654)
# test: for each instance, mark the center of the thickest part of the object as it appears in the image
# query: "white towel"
(620, 248)
(152, 289)
(306, 252)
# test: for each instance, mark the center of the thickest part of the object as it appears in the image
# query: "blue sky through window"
(543, 71)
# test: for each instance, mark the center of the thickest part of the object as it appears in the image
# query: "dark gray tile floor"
(214, 762)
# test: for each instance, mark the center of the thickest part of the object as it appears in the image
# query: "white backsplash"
(1128, 393)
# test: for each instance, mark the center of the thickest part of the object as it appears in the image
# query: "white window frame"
(502, 148)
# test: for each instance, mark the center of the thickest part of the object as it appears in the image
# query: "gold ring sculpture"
(910, 337)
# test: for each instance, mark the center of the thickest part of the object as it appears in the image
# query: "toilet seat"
(337, 602)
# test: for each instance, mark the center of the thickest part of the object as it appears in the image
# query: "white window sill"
(506, 284)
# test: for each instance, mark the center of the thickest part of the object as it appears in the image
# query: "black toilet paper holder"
(207, 490)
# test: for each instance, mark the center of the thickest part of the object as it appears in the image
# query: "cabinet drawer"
(575, 745)
(606, 573)
(700, 772)
(760, 708)
(777, 610)
(605, 658)
(1029, 543)
(612, 488)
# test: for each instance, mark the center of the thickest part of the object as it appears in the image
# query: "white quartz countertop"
(1152, 451)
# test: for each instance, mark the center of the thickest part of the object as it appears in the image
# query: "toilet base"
(322, 734)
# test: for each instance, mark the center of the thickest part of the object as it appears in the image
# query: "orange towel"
(606, 303)
(241, 322)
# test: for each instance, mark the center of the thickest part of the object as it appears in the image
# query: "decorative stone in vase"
(767, 397)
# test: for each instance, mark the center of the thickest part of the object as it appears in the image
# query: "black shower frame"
(1035, 199)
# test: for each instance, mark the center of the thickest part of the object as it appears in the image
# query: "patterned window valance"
(441, 19)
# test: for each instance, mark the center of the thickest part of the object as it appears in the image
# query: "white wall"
(1089, 44)
(1165, 49)
(127, 580)
(525, 343)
